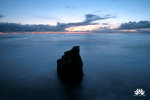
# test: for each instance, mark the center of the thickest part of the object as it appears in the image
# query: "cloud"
(1, 16)
(70, 7)
(99, 11)
(130, 27)
(105, 23)
(14, 27)
(89, 19)
(135, 25)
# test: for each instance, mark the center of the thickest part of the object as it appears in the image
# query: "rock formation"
(70, 64)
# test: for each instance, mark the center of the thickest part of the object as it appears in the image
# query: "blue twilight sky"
(65, 11)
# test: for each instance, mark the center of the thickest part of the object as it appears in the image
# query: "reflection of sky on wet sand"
(114, 66)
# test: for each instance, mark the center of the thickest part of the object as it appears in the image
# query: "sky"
(87, 15)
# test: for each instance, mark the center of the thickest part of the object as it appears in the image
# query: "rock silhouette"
(70, 64)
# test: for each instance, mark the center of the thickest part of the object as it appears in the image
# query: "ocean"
(114, 65)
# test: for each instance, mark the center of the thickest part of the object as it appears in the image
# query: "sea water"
(115, 65)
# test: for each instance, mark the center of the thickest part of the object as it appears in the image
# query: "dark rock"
(70, 64)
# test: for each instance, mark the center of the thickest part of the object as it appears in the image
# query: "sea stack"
(70, 64)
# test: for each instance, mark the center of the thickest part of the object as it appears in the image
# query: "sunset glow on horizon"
(82, 28)
(65, 16)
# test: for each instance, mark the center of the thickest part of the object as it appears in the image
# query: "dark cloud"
(70, 7)
(89, 19)
(142, 27)
(1, 16)
(113, 0)
(13, 27)
(105, 23)
(135, 25)
(99, 11)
